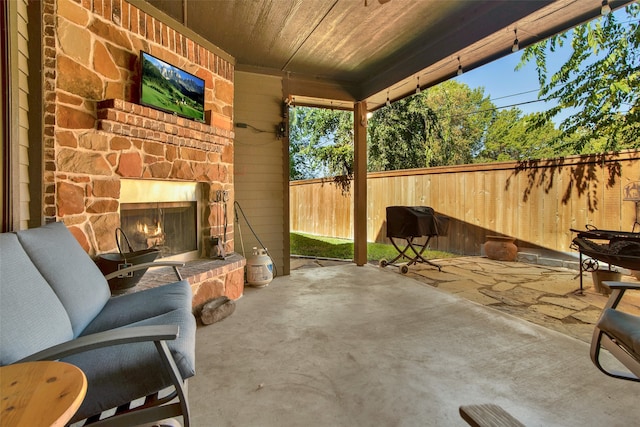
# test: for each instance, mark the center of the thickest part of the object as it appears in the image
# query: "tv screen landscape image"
(170, 89)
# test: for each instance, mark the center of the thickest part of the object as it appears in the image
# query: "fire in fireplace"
(168, 226)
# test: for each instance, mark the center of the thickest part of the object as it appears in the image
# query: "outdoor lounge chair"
(619, 333)
(136, 350)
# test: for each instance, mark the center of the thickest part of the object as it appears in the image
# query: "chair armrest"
(174, 264)
(617, 291)
(158, 334)
(623, 285)
(106, 339)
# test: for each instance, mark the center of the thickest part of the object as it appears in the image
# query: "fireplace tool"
(218, 244)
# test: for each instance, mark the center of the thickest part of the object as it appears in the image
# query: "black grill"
(409, 223)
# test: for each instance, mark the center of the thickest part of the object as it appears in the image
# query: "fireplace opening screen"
(168, 226)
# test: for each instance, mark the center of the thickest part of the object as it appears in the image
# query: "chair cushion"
(69, 270)
(32, 317)
(119, 374)
(129, 308)
(623, 326)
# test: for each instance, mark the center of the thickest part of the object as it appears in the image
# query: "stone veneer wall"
(95, 134)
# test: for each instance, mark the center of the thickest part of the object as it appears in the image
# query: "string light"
(516, 43)
(605, 9)
(459, 67)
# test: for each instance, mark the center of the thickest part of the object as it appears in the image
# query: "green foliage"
(301, 164)
(397, 136)
(321, 142)
(443, 125)
(601, 79)
(449, 124)
(510, 136)
(463, 116)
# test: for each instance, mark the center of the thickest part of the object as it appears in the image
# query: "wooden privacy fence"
(537, 202)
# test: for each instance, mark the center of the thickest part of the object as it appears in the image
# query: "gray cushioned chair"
(55, 304)
(619, 333)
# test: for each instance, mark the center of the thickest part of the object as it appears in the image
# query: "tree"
(397, 136)
(443, 125)
(510, 136)
(320, 143)
(464, 115)
(601, 78)
(301, 164)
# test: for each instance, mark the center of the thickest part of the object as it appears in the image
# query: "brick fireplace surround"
(95, 134)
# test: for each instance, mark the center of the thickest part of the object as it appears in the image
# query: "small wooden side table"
(38, 394)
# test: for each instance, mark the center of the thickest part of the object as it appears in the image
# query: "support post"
(360, 183)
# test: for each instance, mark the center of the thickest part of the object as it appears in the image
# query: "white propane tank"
(259, 268)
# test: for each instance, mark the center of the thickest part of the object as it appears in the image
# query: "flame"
(150, 231)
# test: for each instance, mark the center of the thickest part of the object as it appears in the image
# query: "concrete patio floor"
(358, 346)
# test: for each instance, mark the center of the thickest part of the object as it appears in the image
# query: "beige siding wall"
(23, 112)
(18, 108)
(261, 167)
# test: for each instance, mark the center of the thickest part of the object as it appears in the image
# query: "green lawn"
(329, 247)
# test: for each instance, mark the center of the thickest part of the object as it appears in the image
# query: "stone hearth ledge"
(209, 278)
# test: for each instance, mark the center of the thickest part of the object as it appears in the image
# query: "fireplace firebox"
(162, 215)
(167, 226)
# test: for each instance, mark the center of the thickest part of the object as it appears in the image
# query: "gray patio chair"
(136, 350)
(619, 333)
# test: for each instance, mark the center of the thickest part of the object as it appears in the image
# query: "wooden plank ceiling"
(337, 52)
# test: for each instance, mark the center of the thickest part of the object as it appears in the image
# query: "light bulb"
(605, 9)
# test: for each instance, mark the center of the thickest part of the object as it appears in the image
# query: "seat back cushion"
(69, 270)
(136, 306)
(32, 317)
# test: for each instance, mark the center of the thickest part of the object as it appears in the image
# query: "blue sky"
(502, 83)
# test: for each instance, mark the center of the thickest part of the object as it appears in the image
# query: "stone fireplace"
(98, 140)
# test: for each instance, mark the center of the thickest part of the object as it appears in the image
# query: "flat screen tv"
(170, 89)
